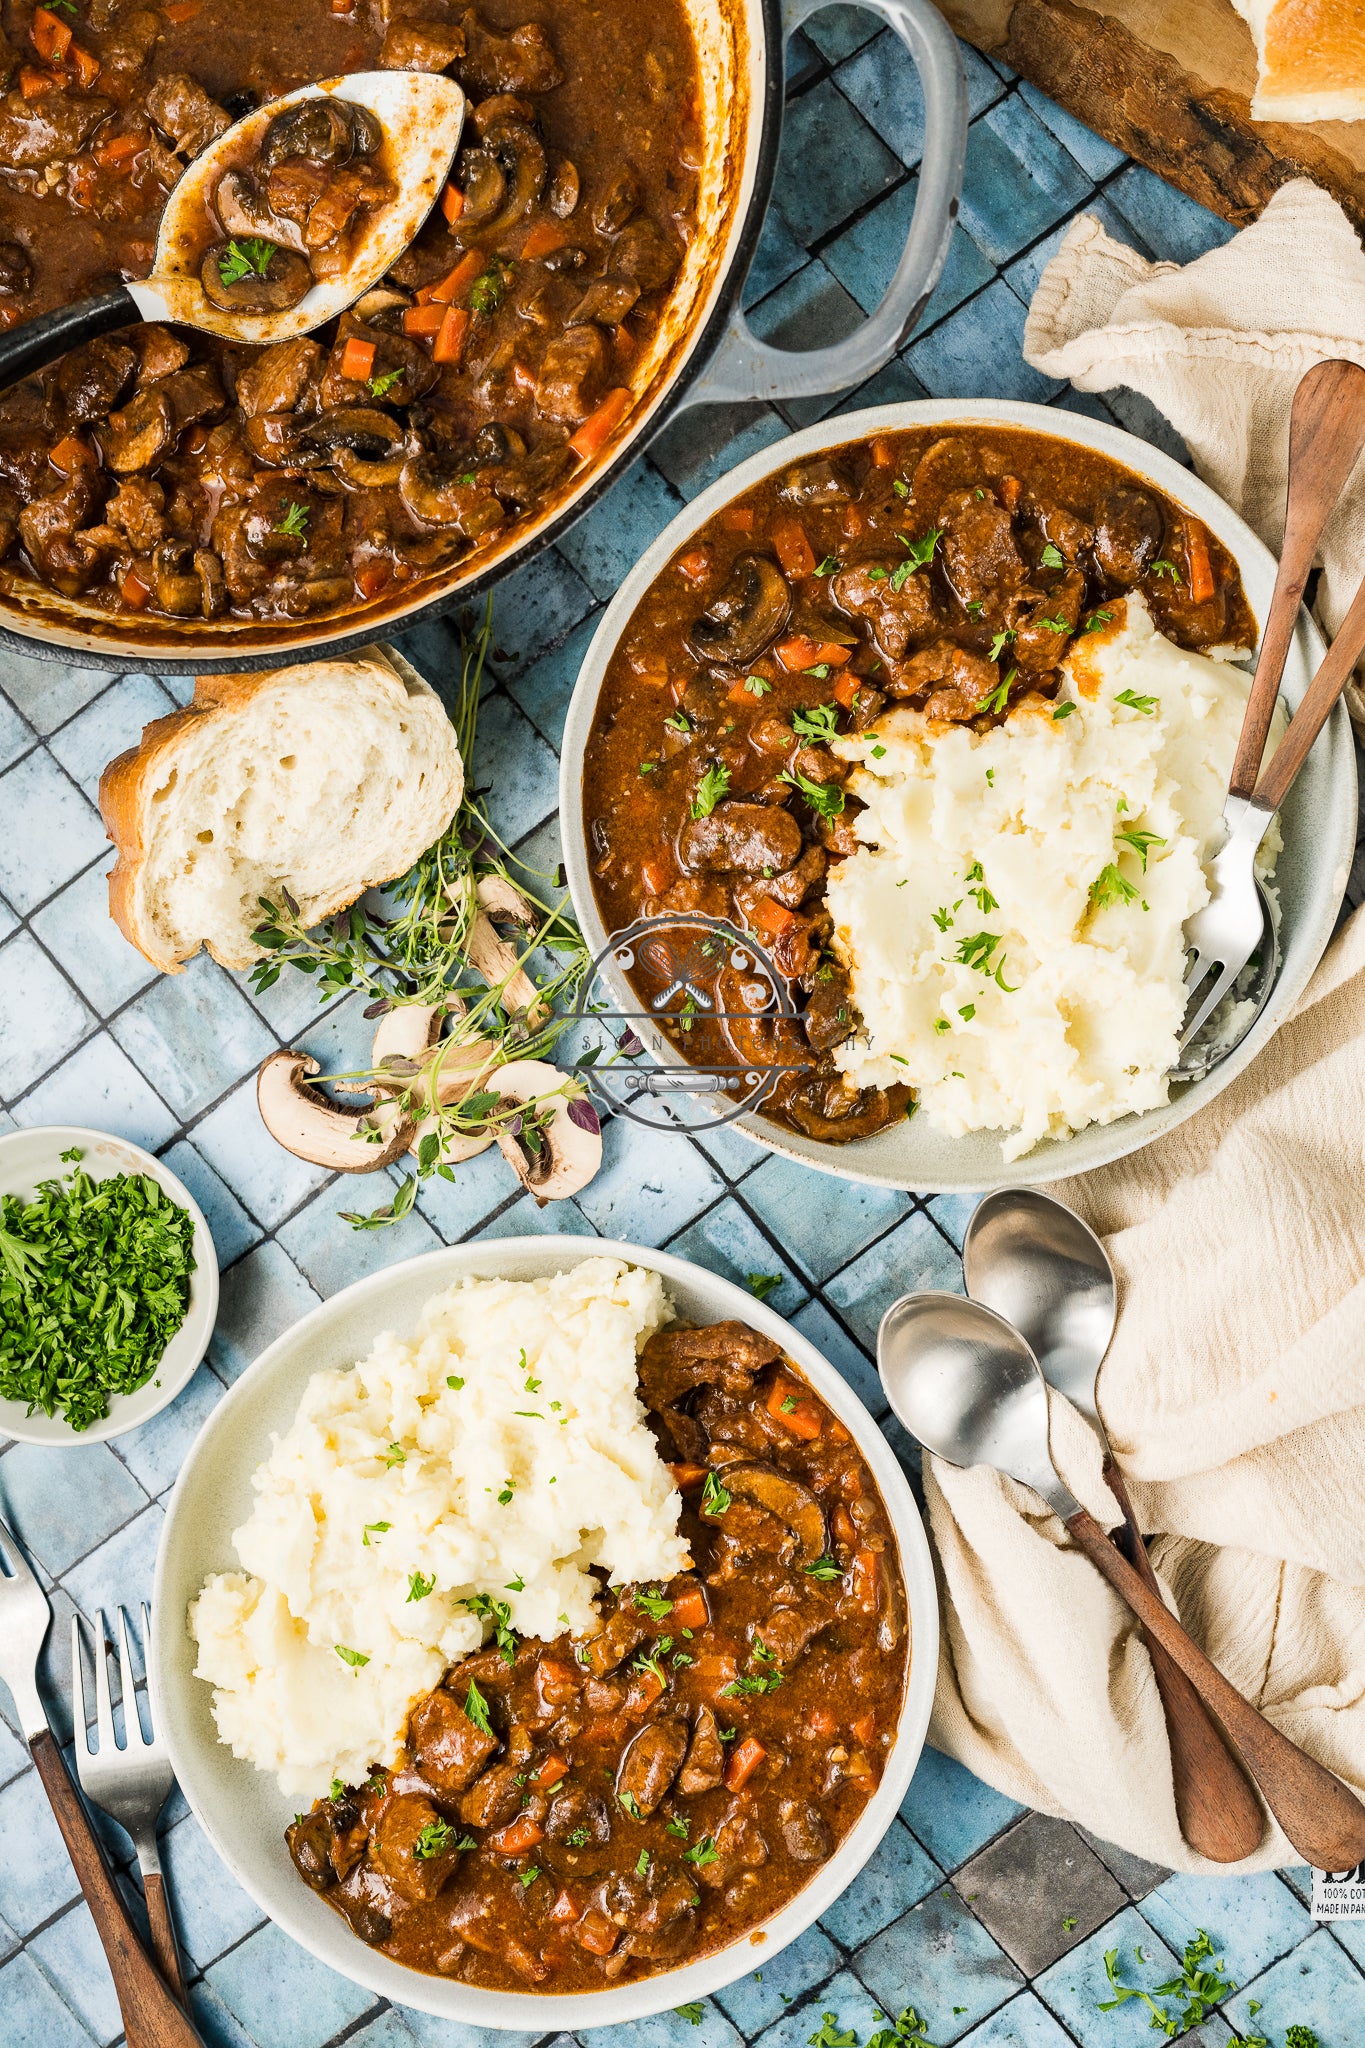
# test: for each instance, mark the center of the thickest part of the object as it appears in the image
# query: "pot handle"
(743, 367)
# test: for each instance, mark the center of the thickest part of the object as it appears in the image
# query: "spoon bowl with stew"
(229, 264)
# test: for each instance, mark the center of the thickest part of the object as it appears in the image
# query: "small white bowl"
(27, 1157)
(242, 1810)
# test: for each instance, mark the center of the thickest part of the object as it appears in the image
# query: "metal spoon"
(966, 1384)
(421, 114)
(1036, 1264)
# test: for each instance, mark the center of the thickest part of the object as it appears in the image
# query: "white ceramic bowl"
(27, 1157)
(1318, 819)
(241, 1809)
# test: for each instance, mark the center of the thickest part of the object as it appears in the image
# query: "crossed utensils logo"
(665, 969)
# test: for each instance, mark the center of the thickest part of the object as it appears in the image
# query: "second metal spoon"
(1035, 1263)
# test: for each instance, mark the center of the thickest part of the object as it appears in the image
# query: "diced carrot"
(847, 688)
(1009, 490)
(1198, 563)
(800, 653)
(418, 320)
(448, 346)
(820, 1721)
(550, 1772)
(794, 1410)
(865, 1727)
(471, 265)
(558, 1682)
(687, 1478)
(452, 203)
(852, 522)
(181, 10)
(841, 1521)
(564, 1909)
(134, 590)
(837, 1433)
(372, 577)
(694, 565)
(864, 1587)
(543, 239)
(521, 1833)
(603, 1731)
(717, 1671)
(654, 877)
(745, 1758)
(738, 519)
(357, 358)
(793, 549)
(117, 151)
(50, 35)
(598, 428)
(32, 82)
(68, 454)
(883, 454)
(623, 343)
(645, 1688)
(524, 379)
(690, 1609)
(85, 65)
(596, 1933)
(774, 918)
(851, 1484)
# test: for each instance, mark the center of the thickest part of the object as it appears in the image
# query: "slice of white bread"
(322, 780)
(1311, 56)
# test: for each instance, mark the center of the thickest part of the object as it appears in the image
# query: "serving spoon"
(1033, 1260)
(965, 1382)
(421, 114)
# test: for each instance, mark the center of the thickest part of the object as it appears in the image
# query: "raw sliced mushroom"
(139, 435)
(776, 1491)
(501, 898)
(570, 1151)
(312, 1128)
(750, 611)
(242, 209)
(408, 1044)
(497, 962)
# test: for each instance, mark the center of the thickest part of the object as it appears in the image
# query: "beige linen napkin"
(1234, 1394)
(1218, 346)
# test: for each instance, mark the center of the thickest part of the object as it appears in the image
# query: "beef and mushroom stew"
(570, 1814)
(161, 472)
(948, 570)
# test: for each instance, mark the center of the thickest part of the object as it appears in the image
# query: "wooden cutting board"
(1169, 82)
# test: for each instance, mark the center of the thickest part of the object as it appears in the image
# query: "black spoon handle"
(39, 342)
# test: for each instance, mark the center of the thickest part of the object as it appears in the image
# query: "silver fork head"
(131, 1782)
(1222, 936)
(25, 1618)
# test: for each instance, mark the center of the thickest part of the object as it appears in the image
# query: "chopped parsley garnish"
(1164, 568)
(1000, 695)
(294, 522)
(691, 2012)
(1054, 625)
(654, 1602)
(714, 1497)
(500, 1614)
(1141, 843)
(642, 1863)
(396, 1456)
(506, 1491)
(382, 385)
(336, 1790)
(761, 1285)
(630, 1805)
(921, 551)
(679, 722)
(826, 799)
(419, 1585)
(827, 567)
(434, 1840)
(355, 1658)
(941, 917)
(997, 646)
(678, 1826)
(528, 1877)
(246, 258)
(824, 1568)
(747, 1686)
(1201, 1986)
(476, 1708)
(878, 753)
(454, 1382)
(1062, 711)
(517, 1585)
(374, 1529)
(829, 2035)
(579, 1839)
(1146, 705)
(820, 671)
(1095, 621)
(756, 686)
(788, 1407)
(703, 1852)
(648, 767)
(1111, 887)
(485, 295)
(976, 952)
(1052, 557)
(967, 1012)
(820, 722)
(94, 1283)
(712, 787)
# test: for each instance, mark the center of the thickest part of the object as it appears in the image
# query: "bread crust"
(1310, 59)
(131, 779)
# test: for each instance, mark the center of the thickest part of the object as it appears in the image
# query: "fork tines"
(133, 1736)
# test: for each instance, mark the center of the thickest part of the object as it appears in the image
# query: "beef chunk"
(1040, 639)
(787, 1631)
(651, 1762)
(160, 351)
(125, 56)
(413, 1847)
(90, 379)
(572, 372)
(521, 62)
(137, 509)
(576, 1812)
(48, 129)
(421, 46)
(309, 1839)
(790, 889)
(724, 1355)
(183, 110)
(958, 681)
(1128, 531)
(805, 1831)
(623, 1632)
(825, 1107)
(449, 1750)
(896, 616)
(705, 1762)
(980, 555)
(641, 253)
(493, 1798)
(743, 837)
(277, 378)
(16, 271)
(829, 1016)
(48, 528)
(1058, 527)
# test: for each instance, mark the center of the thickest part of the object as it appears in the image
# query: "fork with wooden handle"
(151, 2017)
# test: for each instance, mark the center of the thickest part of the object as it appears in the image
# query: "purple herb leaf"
(582, 1113)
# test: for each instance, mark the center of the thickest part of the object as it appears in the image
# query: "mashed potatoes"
(502, 1452)
(1013, 921)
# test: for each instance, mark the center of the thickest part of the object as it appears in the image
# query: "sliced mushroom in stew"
(948, 569)
(568, 1815)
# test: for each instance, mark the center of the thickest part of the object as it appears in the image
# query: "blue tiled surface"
(88, 1033)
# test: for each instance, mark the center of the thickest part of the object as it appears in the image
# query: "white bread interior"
(324, 780)
(1311, 59)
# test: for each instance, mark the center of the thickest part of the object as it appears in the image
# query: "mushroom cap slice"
(750, 611)
(768, 1487)
(570, 1152)
(312, 1128)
